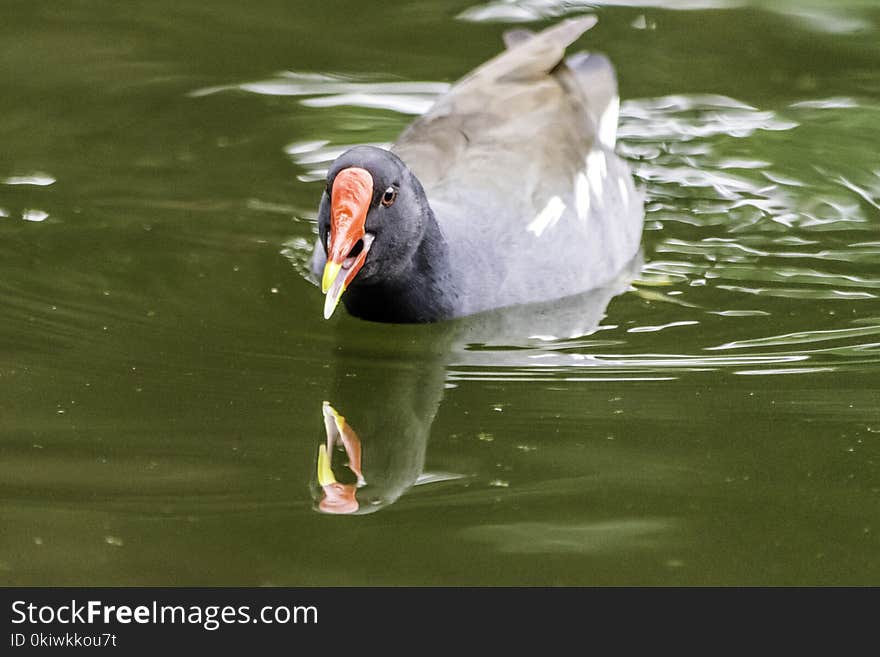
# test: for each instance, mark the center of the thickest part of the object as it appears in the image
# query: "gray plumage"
(517, 161)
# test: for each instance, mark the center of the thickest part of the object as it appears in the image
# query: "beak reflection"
(339, 497)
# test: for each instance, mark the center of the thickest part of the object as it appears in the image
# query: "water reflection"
(367, 461)
(813, 15)
(736, 228)
(339, 496)
(162, 370)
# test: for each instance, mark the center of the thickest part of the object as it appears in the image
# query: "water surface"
(713, 418)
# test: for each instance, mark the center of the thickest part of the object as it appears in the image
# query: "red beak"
(350, 201)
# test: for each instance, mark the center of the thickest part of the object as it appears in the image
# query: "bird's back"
(518, 164)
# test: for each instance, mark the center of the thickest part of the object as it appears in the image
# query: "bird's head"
(370, 221)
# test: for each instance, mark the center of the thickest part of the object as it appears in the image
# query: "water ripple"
(803, 337)
(728, 215)
(316, 156)
(328, 90)
(37, 179)
(816, 16)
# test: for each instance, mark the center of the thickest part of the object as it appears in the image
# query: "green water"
(163, 361)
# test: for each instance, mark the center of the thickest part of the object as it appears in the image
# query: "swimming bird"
(506, 191)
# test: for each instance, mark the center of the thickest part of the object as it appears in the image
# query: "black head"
(372, 217)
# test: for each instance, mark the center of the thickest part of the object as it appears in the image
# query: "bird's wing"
(508, 103)
(518, 165)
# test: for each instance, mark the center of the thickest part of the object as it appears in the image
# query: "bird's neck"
(423, 291)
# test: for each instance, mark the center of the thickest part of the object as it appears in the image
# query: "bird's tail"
(597, 81)
(589, 75)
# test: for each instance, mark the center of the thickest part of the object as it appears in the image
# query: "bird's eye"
(389, 196)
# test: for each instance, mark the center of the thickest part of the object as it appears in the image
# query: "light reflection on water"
(812, 14)
(673, 144)
(164, 369)
(758, 215)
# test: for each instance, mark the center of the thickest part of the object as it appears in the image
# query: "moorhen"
(507, 191)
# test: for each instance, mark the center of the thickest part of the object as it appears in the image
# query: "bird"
(507, 191)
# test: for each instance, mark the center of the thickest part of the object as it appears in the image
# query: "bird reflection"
(378, 417)
(339, 497)
(390, 380)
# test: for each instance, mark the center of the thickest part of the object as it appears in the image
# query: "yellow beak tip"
(325, 472)
(331, 271)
